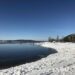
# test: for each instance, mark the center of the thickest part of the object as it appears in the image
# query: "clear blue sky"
(36, 19)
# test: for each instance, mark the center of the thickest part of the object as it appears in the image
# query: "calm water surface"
(15, 54)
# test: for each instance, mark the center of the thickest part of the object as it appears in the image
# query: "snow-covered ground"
(61, 63)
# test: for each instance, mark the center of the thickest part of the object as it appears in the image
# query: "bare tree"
(57, 39)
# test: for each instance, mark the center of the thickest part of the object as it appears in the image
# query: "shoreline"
(61, 63)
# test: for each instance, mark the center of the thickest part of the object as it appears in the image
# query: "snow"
(60, 63)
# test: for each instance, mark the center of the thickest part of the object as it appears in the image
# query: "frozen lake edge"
(61, 63)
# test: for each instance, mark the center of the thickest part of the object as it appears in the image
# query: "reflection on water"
(15, 54)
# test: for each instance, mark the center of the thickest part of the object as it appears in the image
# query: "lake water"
(15, 54)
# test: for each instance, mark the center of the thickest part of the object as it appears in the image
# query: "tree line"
(68, 38)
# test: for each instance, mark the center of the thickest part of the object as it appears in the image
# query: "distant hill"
(69, 38)
(18, 41)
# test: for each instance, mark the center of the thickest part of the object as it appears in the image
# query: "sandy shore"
(61, 63)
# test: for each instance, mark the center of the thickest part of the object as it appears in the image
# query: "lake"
(15, 54)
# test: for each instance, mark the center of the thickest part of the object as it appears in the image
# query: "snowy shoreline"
(61, 63)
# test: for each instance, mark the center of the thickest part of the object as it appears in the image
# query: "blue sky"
(36, 19)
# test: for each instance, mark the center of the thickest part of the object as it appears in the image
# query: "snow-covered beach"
(60, 63)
